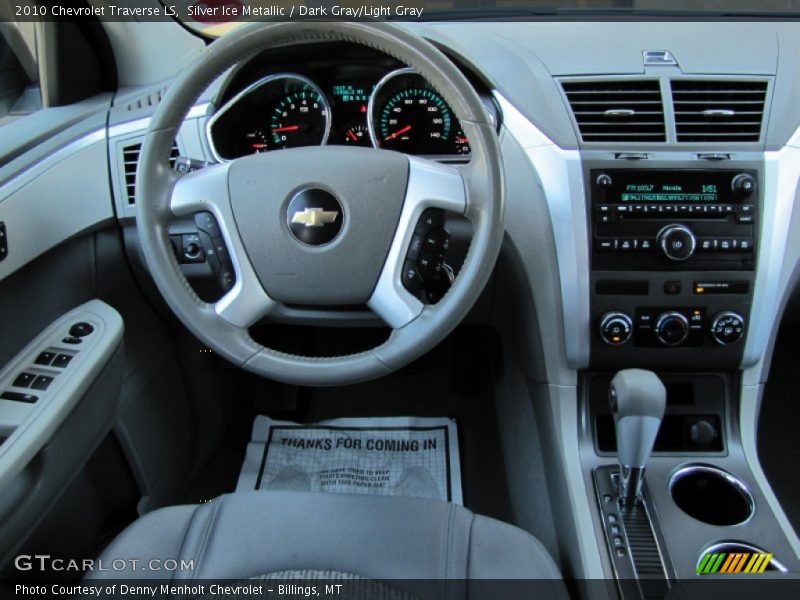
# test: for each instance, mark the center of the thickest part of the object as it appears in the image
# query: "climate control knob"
(615, 328)
(672, 328)
(727, 328)
(676, 241)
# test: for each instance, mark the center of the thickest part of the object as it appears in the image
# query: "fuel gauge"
(355, 134)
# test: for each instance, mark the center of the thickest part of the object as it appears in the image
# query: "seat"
(253, 534)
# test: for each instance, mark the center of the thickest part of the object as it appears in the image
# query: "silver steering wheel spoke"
(207, 190)
(430, 185)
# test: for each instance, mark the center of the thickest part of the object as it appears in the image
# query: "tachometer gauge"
(276, 112)
(406, 114)
(300, 119)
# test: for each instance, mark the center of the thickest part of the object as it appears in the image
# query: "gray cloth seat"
(250, 534)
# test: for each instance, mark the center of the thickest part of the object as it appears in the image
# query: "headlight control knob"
(676, 241)
(727, 328)
(615, 328)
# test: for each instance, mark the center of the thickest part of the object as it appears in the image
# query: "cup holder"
(728, 548)
(711, 495)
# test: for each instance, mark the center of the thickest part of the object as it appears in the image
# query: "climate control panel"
(670, 327)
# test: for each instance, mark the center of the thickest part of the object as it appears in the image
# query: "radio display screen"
(653, 187)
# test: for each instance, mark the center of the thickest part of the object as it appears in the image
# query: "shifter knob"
(637, 399)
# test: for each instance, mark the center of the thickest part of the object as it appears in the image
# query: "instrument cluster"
(389, 108)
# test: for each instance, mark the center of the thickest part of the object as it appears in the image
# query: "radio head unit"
(672, 219)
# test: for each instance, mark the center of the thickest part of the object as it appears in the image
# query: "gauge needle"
(287, 128)
(405, 129)
(352, 136)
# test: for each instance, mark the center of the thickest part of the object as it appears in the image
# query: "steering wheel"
(378, 197)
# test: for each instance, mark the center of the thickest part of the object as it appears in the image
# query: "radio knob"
(615, 328)
(604, 180)
(672, 328)
(727, 328)
(743, 184)
(676, 241)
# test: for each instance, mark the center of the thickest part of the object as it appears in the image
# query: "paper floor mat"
(393, 456)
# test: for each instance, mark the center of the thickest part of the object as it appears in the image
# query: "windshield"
(215, 17)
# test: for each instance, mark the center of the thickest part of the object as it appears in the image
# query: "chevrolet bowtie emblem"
(315, 217)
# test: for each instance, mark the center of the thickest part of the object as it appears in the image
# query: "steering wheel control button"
(24, 380)
(615, 328)
(430, 266)
(431, 219)
(672, 328)
(677, 242)
(205, 221)
(727, 328)
(42, 382)
(45, 358)
(415, 247)
(437, 241)
(315, 217)
(18, 397)
(412, 280)
(62, 360)
(80, 330)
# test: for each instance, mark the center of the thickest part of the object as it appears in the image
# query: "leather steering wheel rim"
(475, 189)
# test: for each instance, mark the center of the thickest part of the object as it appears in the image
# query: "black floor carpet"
(778, 441)
(454, 380)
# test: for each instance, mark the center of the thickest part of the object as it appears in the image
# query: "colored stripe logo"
(734, 562)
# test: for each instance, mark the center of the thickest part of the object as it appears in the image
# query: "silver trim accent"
(207, 190)
(719, 546)
(662, 240)
(430, 185)
(140, 125)
(34, 170)
(734, 481)
(252, 88)
(780, 185)
(672, 314)
(722, 315)
(561, 174)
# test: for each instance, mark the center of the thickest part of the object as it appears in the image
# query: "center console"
(673, 246)
(672, 262)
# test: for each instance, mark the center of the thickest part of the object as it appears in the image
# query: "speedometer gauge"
(408, 115)
(279, 111)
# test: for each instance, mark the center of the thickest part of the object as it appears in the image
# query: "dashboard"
(359, 98)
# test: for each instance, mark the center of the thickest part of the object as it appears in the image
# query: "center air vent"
(617, 111)
(718, 111)
(130, 158)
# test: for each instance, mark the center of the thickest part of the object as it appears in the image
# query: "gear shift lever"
(637, 399)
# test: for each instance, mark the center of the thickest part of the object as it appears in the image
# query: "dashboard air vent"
(617, 111)
(147, 101)
(130, 158)
(718, 111)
